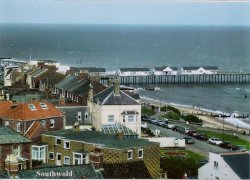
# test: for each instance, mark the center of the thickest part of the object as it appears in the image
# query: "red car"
(192, 133)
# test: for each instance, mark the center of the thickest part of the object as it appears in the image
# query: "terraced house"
(73, 146)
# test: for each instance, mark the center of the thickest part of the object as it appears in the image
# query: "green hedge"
(147, 111)
(171, 115)
(191, 118)
(170, 108)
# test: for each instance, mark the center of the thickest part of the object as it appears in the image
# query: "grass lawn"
(235, 141)
(147, 111)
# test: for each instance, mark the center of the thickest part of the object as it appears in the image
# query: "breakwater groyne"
(222, 78)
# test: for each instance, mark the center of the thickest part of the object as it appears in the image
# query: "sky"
(125, 12)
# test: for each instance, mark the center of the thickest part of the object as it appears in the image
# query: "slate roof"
(71, 113)
(53, 78)
(210, 67)
(163, 67)
(97, 137)
(107, 97)
(128, 170)
(85, 171)
(22, 112)
(133, 69)
(38, 72)
(191, 68)
(66, 82)
(240, 163)
(9, 136)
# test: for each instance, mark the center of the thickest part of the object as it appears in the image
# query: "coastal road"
(200, 147)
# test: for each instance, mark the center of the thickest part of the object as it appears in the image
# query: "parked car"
(161, 123)
(176, 128)
(215, 141)
(201, 136)
(170, 126)
(192, 133)
(226, 145)
(144, 117)
(153, 120)
(188, 140)
(239, 148)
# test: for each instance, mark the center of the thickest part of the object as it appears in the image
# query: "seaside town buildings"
(199, 70)
(165, 70)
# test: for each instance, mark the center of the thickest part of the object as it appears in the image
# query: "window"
(43, 122)
(216, 164)
(58, 141)
(79, 116)
(52, 123)
(43, 106)
(66, 145)
(51, 155)
(86, 115)
(66, 160)
(140, 153)
(123, 118)
(131, 118)
(38, 153)
(32, 107)
(111, 118)
(18, 125)
(6, 123)
(130, 154)
(79, 158)
(16, 149)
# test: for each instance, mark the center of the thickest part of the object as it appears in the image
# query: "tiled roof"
(128, 170)
(191, 68)
(9, 136)
(24, 113)
(100, 138)
(71, 113)
(38, 72)
(210, 67)
(135, 96)
(53, 78)
(174, 68)
(85, 171)
(36, 128)
(240, 163)
(5, 106)
(133, 69)
(107, 97)
(66, 82)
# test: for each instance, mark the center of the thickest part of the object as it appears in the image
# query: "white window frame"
(52, 154)
(18, 127)
(43, 122)
(111, 117)
(43, 106)
(64, 160)
(6, 123)
(129, 120)
(32, 107)
(16, 149)
(216, 164)
(140, 150)
(74, 153)
(40, 153)
(52, 123)
(64, 144)
(130, 151)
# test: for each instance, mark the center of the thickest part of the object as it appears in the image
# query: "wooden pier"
(223, 78)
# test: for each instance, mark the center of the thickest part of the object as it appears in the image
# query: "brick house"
(15, 151)
(32, 118)
(72, 146)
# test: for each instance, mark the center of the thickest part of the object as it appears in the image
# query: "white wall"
(223, 171)
(168, 141)
(198, 71)
(134, 73)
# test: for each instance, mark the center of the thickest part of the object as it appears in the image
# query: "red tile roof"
(23, 112)
(5, 106)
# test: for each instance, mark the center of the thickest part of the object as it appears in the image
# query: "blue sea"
(115, 46)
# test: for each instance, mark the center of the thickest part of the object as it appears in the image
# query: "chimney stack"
(116, 88)
(90, 93)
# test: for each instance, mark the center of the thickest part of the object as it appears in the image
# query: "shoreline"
(208, 120)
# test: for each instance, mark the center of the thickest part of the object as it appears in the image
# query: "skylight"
(43, 106)
(32, 107)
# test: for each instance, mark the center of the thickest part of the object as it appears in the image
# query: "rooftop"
(9, 136)
(134, 69)
(96, 137)
(239, 162)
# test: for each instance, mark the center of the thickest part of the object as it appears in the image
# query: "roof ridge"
(129, 96)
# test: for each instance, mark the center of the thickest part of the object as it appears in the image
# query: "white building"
(133, 72)
(8, 75)
(229, 165)
(113, 108)
(165, 70)
(199, 70)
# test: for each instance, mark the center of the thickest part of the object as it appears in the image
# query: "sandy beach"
(208, 120)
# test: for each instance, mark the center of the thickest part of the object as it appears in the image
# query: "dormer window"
(43, 106)
(32, 107)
